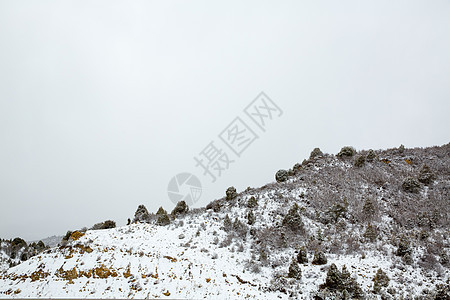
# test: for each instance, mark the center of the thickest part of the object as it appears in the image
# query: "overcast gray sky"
(103, 102)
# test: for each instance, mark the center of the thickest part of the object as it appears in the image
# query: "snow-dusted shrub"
(346, 151)
(411, 185)
(231, 193)
(279, 283)
(339, 284)
(319, 258)
(370, 234)
(428, 261)
(162, 219)
(251, 218)
(227, 224)
(336, 211)
(352, 242)
(426, 176)
(252, 202)
(239, 228)
(67, 236)
(104, 225)
(370, 155)
(428, 219)
(369, 210)
(404, 246)
(294, 270)
(18, 243)
(263, 257)
(293, 220)
(360, 161)
(40, 245)
(215, 205)
(141, 214)
(296, 168)
(281, 176)
(255, 268)
(302, 256)
(180, 209)
(227, 241)
(442, 291)
(444, 259)
(315, 153)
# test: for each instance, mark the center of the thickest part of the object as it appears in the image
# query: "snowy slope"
(145, 261)
(197, 256)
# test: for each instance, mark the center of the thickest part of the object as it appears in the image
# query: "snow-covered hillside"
(367, 225)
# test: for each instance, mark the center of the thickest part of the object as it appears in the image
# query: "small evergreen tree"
(404, 246)
(371, 155)
(319, 258)
(360, 161)
(162, 217)
(425, 175)
(302, 256)
(252, 202)
(293, 220)
(227, 225)
(346, 151)
(370, 233)
(411, 185)
(380, 280)
(231, 193)
(251, 218)
(104, 225)
(294, 270)
(239, 228)
(141, 215)
(281, 175)
(368, 209)
(180, 209)
(315, 153)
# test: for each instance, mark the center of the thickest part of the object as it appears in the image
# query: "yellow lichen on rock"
(127, 273)
(38, 274)
(76, 235)
(69, 275)
(104, 272)
(172, 259)
(84, 249)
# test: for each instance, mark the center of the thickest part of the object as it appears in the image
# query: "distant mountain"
(51, 241)
(356, 225)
